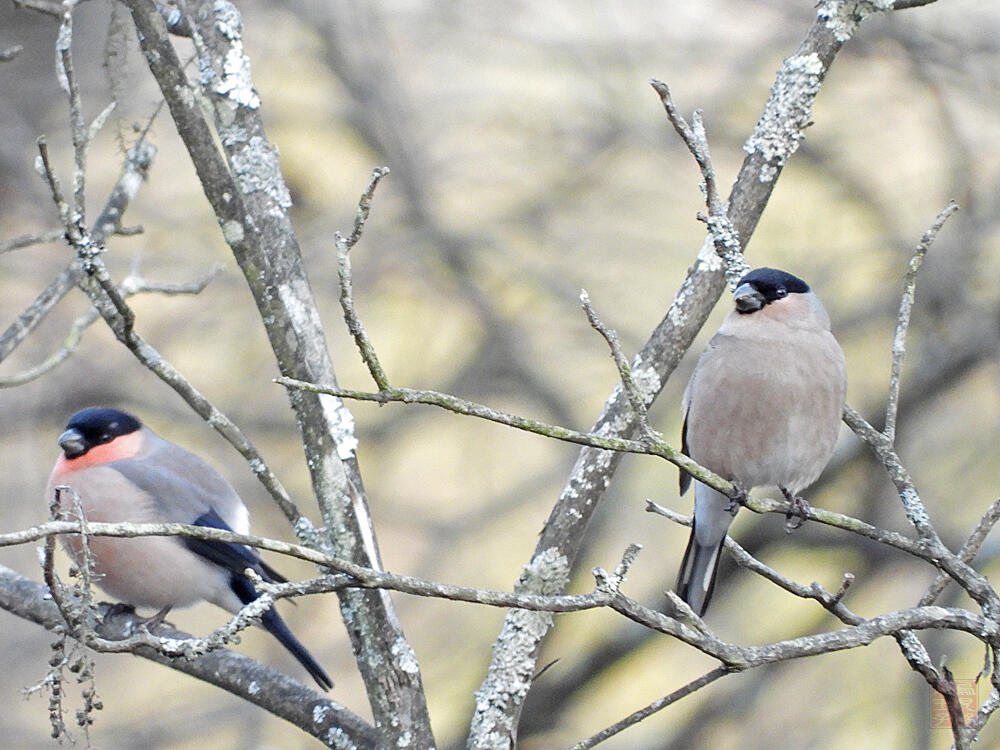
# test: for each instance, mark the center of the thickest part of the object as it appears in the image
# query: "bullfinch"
(123, 472)
(763, 408)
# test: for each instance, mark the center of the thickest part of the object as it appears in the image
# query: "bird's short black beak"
(748, 299)
(73, 443)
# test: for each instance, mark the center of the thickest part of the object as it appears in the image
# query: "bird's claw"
(154, 621)
(798, 512)
(114, 609)
(737, 500)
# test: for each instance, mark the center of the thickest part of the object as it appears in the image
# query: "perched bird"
(123, 472)
(763, 408)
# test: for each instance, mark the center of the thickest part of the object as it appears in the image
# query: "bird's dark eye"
(105, 437)
(780, 292)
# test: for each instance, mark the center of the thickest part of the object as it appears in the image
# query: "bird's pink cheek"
(121, 447)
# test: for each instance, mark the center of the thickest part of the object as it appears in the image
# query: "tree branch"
(134, 171)
(652, 708)
(775, 138)
(245, 187)
(689, 628)
(287, 698)
(903, 319)
(724, 235)
(131, 285)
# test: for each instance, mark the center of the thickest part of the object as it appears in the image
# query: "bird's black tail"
(236, 558)
(273, 624)
(696, 581)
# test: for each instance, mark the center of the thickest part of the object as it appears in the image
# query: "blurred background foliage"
(529, 159)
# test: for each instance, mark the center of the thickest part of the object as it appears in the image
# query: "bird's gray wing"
(706, 356)
(685, 478)
(183, 486)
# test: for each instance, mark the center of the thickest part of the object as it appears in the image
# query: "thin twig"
(695, 144)
(470, 408)
(652, 708)
(724, 235)
(364, 205)
(44, 168)
(134, 171)
(87, 250)
(130, 285)
(832, 602)
(968, 551)
(344, 246)
(635, 396)
(903, 319)
(934, 549)
(953, 702)
(67, 78)
(27, 240)
(992, 702)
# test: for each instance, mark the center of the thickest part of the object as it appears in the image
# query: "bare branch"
(130, 285)
(27, 240)
(696, 143)
(344, 247)
(652, 708)
(78, 131)
(910, 646)
(832, 602)
(973, 582)
(251, 201)
(903, 319)
(240, 675)
(737, 657)
(624, 371)
(724, 235)
(134, 170)
(776, 136)
(472, 409)
(45, 170)
(968, 551)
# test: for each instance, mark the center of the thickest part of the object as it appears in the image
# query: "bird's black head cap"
(762, 286)
(95, 426)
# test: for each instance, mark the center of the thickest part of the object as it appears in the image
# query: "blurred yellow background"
(530, 159)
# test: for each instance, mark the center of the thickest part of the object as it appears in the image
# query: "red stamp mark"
(968, 697)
